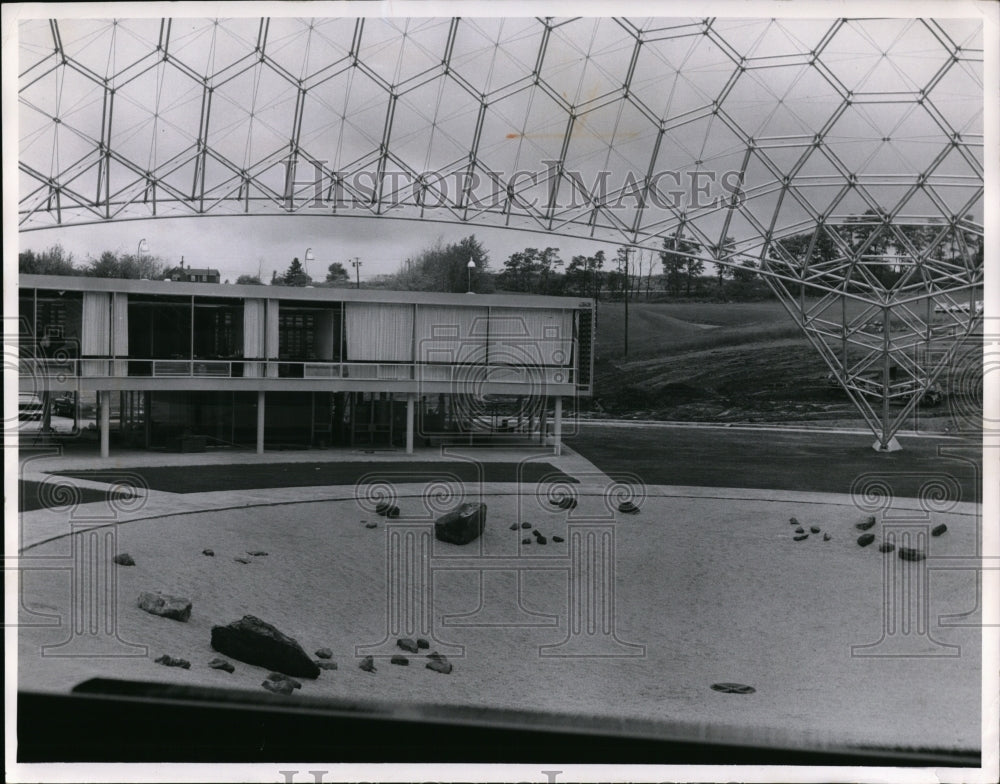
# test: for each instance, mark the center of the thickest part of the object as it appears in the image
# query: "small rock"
(939, 529)
(541, 539)
(367, 664)
(814, 529)
(325, 664)
(278, 687)
(525, 526)
(800, 530)
(827, 537)
(278, 677)
(209, 552)
(371, 525)
(324, 653)
(627, 507)
(124, 559)
(911, 554)
(176, 607)
(558, 539)
(392, 513)
(221, 664)
(382, 507)
(243, 560)
(793, 521)
(526, 540)
(514, 526)
(886, 547)
(407, 644)
(439, 663)
(256, 552)
(865, 524)
(866, 539)
(800, 537)
(170, 661)
(399, 659)
(422, 643)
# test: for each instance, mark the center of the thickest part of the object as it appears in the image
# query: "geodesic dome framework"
(843, 157)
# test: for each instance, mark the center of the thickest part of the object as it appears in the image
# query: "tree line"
(55, 260)
(676, 269)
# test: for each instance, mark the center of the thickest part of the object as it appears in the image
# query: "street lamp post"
(357, 271)
(470, 266)
(308, 257)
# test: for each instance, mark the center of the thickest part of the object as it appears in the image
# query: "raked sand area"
(711, 584)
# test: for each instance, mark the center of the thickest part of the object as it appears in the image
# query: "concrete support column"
(542, 423)
(46, 412)
(557, 426)
(410, 405)
(260, 423)
(105, 425)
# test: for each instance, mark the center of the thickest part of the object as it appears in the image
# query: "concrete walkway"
(43, 525)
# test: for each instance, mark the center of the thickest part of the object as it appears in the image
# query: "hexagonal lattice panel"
(844, 156)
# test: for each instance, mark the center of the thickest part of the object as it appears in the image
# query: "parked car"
(65, 406)
(963, 307)
(29, 406)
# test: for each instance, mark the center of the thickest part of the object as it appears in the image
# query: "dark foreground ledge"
(106, 720)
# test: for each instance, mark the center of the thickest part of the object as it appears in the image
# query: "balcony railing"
(103, 367)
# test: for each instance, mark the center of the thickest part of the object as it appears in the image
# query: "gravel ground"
(715, 591)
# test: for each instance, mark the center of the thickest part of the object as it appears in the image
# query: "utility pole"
(357, 272)
(628, 253)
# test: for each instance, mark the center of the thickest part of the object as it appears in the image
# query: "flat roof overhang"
(319, 295)
(55, 385)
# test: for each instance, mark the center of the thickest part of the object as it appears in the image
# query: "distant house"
(184, 274)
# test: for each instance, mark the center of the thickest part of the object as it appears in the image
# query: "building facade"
(190, 365)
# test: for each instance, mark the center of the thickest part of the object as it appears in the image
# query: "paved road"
(820, 461)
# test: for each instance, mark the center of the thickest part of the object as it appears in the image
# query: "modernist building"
(195, 364)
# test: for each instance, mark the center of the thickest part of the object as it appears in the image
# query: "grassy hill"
(705, 361)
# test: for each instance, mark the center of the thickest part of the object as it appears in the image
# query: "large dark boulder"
(462, 525)
(254, 641)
